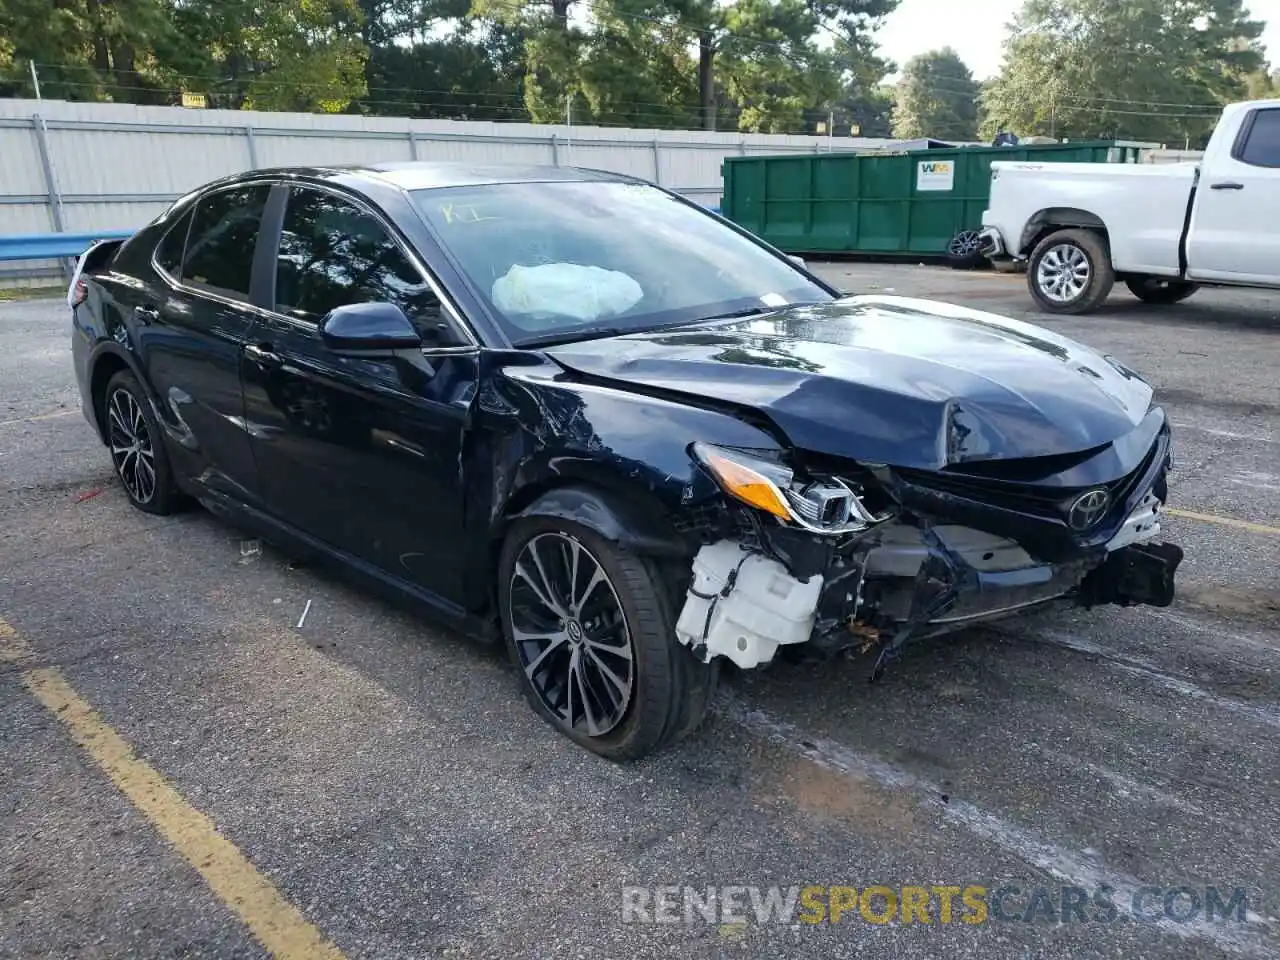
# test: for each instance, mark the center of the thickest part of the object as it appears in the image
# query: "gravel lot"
(388, 779)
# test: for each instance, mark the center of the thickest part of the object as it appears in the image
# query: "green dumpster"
(909, 203)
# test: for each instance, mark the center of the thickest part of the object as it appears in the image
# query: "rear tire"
(1159, 290)
(568, 653)
(1070, 272)
(136, 442)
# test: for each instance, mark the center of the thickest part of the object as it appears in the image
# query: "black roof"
(429, 174)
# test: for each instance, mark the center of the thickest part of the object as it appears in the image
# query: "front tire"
(1070, 272)
(137, 447)
(1159, 290)
(590, 630)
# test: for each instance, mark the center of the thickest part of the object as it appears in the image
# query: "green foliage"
(936, 97)
(754, 65)
(274, 54)
(1135, 69)
(93, 48)
(476, 75)
(308, 55)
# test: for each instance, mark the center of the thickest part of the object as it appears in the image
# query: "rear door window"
(1261, 147)
(220, 246)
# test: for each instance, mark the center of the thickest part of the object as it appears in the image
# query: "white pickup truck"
(1162, 229)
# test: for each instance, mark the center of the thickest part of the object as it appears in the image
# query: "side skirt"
(364, 574)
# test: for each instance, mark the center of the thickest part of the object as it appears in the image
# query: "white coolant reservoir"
(764, 608)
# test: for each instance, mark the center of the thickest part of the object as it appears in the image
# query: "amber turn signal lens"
(747, 485)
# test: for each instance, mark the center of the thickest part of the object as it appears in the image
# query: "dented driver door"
(363, 452)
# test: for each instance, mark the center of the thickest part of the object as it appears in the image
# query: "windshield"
(568, 258)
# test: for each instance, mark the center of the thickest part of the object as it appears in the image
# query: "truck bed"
(1150, 200)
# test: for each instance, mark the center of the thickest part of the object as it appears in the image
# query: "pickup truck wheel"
(1070, 272)
(1158, 290)
(590, 628)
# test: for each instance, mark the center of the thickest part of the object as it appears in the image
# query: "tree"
(430, 58)
(637, 72)
(456, 77)
(88, 49)
(865, 102)
(864, 112)
(936, 97)
(1142, 69)
(758, 65)
(278, 54)
(770, 66)
(305, 55)
(552, 50)
(1262, 85)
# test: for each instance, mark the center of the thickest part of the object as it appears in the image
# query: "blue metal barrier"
(53, 246)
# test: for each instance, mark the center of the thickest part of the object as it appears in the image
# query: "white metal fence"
(79, 167)
(1172, 156)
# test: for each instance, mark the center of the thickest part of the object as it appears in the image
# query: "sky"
(975, 29)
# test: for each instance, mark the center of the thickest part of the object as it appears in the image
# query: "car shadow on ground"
(1252, 317)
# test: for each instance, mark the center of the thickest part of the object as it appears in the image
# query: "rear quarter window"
(172, 246)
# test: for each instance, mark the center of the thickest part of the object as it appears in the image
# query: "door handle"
(263, 355)
(1226, 185)
(146, 315)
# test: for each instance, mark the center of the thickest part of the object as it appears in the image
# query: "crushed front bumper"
(993, 246)
(916, 575)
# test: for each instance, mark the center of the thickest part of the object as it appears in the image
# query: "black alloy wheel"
(964, 250)
(590, 630)
(137, 450)
(571, 634)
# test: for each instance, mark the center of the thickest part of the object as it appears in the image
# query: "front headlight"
(753, 480)
(824, 505)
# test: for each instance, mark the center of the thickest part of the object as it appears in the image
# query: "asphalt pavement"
(188, 772)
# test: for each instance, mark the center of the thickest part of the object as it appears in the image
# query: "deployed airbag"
(565, 290)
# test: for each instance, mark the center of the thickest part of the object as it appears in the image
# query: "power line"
(665, 111)
(500, 99)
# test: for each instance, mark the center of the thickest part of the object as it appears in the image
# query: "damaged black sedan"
(577, 413)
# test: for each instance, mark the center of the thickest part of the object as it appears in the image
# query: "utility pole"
(568, 122)
(831, 128)
(35, 78)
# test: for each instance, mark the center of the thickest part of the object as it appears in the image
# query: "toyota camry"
(578, 414)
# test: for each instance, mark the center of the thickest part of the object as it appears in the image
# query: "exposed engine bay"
(874, 561)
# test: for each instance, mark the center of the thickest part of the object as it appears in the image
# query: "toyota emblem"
(1087, 509)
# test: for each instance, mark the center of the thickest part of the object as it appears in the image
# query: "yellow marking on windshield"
(466, 213)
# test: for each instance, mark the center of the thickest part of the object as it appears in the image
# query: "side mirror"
(368, 328)
(798, 261)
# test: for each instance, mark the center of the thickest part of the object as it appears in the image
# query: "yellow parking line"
(1224, 521)
(13, 649)
(276, 923)
(42, 416)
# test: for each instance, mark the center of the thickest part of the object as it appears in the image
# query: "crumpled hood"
(912, 383)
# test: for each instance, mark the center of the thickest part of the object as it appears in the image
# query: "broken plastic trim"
(771, 486)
